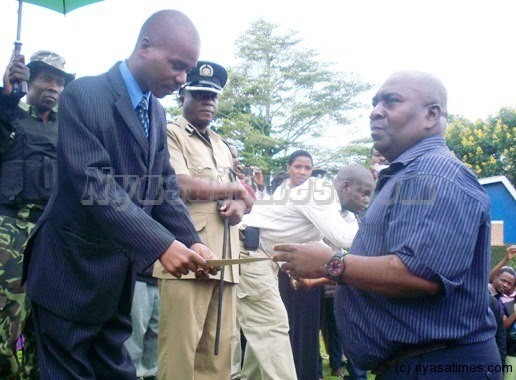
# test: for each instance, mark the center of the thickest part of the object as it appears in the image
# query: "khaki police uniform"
(189, 306)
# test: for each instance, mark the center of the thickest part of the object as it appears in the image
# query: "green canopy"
(61, 6)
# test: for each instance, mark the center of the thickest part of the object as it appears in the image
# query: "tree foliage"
(280, 96)
(487, 147)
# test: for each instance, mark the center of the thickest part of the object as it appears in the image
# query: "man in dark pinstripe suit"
(115, 210)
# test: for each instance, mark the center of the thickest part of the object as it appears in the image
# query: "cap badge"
(206, 71)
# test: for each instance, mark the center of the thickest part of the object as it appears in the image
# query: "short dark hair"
(299, 153)
(507, 269)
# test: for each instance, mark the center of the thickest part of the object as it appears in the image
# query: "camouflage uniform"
(27, 175)
(28, 150)
(14, 306)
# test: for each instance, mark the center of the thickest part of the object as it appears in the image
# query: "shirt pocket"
(200, 223)
(199, 165)
(40, 165)
(12, 179)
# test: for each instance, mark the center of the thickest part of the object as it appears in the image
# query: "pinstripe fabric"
(116, 207)
(431, 211)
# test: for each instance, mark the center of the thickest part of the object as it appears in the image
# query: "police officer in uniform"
(203, 163)
(28, 139)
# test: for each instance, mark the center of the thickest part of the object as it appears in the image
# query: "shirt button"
(220, 170)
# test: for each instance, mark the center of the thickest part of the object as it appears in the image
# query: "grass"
(326, 365)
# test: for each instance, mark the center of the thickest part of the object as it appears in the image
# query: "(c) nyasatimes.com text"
(406, 368)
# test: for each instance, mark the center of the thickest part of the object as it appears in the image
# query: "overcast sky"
(468, 44)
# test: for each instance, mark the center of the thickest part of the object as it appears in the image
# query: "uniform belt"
(407, 353)
(20, 213)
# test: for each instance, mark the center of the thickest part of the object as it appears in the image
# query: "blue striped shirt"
(433, 214)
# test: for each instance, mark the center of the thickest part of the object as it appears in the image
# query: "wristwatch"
(335, 266)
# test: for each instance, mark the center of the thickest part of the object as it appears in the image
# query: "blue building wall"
(503, 207)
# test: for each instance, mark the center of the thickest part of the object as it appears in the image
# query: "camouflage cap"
(48, 59)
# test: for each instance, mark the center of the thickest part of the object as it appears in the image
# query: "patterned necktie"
(142, 110)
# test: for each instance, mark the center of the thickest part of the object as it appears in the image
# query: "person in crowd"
(303, 209)
(115, 209)
(378, 162)
(510, 295)
(501, 334)
(354, 186)
(502, 284)
(28, 140)
(414, 278)
(203, 163)
(254, 178)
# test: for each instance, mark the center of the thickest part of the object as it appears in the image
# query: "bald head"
(429, 86)
(168, 47)
(353, 173)
(409, 107)
(354, 185)
(168, 24)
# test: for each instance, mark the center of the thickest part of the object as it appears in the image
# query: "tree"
(486, 147)
(280, 96)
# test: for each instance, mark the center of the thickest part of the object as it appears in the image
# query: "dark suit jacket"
(115, 210)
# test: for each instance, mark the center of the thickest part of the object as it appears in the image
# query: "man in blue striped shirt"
(413, 301)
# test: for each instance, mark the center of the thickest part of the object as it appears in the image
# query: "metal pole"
(19, 87)
(221, 285)
(18, 31)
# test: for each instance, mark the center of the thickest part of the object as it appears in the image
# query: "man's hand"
(16, 72)
(511, 252)
(301, 283)
(303, 260)
(179, 260)
(243, 194)
(258, 178)
(233, 210)
(206, 254)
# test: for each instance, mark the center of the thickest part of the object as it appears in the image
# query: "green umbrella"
(61, 6)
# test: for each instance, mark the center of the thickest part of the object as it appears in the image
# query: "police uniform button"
(199, 168)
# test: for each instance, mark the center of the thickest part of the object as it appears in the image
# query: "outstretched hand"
(511, 252)
(303, 260)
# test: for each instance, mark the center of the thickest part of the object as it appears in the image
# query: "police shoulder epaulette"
(189, 128)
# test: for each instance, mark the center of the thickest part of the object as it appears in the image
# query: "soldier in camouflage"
(28, 139)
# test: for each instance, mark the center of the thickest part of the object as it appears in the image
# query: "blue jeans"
(143, 343)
